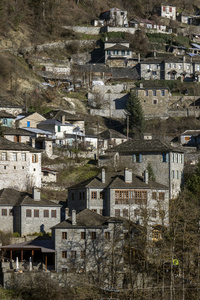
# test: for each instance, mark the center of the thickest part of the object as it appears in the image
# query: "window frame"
(28, 213)
(36, 213)
(46, 213)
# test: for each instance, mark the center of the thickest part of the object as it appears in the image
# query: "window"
(73, 254)
(155, 101)
(4, 167)
(179, 66)
(11, 212)
(177, 174)
(130, 197)
(123, 52)
(23, 155)
(83, 235)
(34, 158)
(14, 156)
(94, 210)
(128, 52)
(162, 92)
(146, 93)
(4, 121)
(80, 195)
(4, 212)
(107, 235)
(173, 174)
(53, 213)
(22, 167)
(14, 167)
(117, 212)
(154, 93)
(165, 157)
(93, 235)
(164, 8)
(181, 158)
(46, 213)
(3, 156)
(161, 196)
(36, 213)
(101, 195)
(169, 65)
(173, 157)
(137, 158)
(154, 195)
(188, 67)
(82, 254)
(198, 68)
(94, 195)
(161, 214)
(148, 67)
(153, 213)
(64, 235)
(125, 213)
(108, 52)
(28, 213)
(177, 158)
(154, 73)
(64, 254)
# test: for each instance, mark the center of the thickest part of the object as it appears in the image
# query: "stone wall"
(85, 30)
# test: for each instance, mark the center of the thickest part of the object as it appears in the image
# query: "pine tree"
(135, 112)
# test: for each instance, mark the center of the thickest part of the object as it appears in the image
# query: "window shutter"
(134, 158)
(170, 9)
(140, 158)
(36, 158)
(167, 157)
(163, 8)
(32, 158)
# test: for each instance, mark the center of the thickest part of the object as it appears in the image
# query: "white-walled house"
(168, 11)
(20, 165)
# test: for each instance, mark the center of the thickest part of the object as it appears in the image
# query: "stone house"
(26, 214)
(115, 17)
(16, 135)
(148, 24)
(166, 161)
(48, 175)
(28, 120)
(6, 119)
(170, 68)
(20, 165)
(122, 194)
(85, 242)
(190, 138)
(168, 11)
(9, 107)
(154, 101)
(118, 53)
(110, 138)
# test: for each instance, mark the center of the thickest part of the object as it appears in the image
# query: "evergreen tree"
(135, 112)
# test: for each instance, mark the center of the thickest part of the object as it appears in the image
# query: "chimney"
(141, 85)
(154, 53)
(66, 213)
(183, 58)
(103, 175)
(146, 176)
(138, 57)
(36, 194)
(127, 175)
(74, 217)
(63, 119)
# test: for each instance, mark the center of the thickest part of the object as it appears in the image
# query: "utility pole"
(127, 131)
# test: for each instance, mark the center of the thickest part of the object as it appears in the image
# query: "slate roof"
(144, 146)
(6, 103)
(111, 133)
(87, 218)
(45, 246)
(8, 145)
(191, 132)
(116, 180)
(118, 47)
(10, 196)
(4, 114)
(116, 40)
(68, 116)
(14, 131)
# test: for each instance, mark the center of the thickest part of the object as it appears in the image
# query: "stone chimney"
(103, 175)
(63, 119)
(36, 194)
(146, 176)
(141, 85)
(66, 213)
(127, 175)
(154, 53)
(138, 57)
(73, 217)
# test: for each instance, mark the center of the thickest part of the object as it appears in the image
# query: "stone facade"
(31, 120)
(154, 101)
(20, 166)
